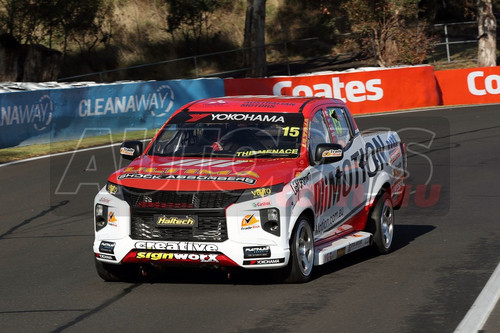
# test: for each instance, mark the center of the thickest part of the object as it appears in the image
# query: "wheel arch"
(308, 212)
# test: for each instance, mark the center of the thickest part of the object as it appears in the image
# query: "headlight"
(270, 220)
(115, 190)
(101, 216)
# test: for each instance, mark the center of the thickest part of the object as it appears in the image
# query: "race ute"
(261, 182)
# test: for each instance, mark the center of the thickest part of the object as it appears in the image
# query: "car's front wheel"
(301, 252)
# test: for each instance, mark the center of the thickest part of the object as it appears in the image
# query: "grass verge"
(20, 153)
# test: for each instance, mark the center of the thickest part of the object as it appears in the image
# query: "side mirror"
(131, 149)
(328, 153)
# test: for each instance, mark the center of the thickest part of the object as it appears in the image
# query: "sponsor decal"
(265, 104)
(219, 101)
(112, 188)
(106, 256)
(196, 162)
(341, 252)
(261, 192)
(256, 252)
(176, 246)
(177, 221)
(332, 187)
(171, 171)
(257, 117)
(107, 247)
(299, 183)
(127, 151)
(182, 257)
(267, 151)
(395, 155)
(358, 244)
(111, 217)
(352, 91)
(491, 84)
(305, 133)
(38, 114)
(264, 261)
(332, 153)
(246, 180)
(158, 103)
(261, 204)
(331, 221)
(249, 222)
(104, 200)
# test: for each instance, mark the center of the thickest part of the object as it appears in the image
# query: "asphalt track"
(446, 248)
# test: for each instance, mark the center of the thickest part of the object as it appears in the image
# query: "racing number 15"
(291, 131)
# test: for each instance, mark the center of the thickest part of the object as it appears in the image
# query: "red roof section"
(266, 104)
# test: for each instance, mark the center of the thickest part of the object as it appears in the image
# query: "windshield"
(245, 135)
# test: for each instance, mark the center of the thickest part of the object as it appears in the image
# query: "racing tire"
(381, 224)
(301, 262)
(115, 273)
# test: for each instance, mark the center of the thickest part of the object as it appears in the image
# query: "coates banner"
(374, 90)
(470, 85)
(42, 116)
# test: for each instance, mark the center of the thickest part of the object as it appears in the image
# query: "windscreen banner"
(44, 116)
(364, 91)
(470, 85)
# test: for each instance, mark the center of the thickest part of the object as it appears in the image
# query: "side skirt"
(341, 246)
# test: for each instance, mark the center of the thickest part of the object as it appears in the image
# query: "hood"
(206, 174)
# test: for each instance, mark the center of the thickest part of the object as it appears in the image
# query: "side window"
(339, 125)
(318, 132)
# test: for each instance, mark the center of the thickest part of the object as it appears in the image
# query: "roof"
(286, 104)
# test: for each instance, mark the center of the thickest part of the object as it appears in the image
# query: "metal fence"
(279, 52)
(458, 38)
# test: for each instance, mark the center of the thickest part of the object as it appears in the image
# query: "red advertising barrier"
(470, 85)
(363, 91)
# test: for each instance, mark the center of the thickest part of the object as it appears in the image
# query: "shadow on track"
(404, 235)
(27, 221)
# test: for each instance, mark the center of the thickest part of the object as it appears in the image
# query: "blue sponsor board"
(43, 116)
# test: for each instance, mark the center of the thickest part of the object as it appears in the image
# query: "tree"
(192, 19)
(487, 35)
(254, 40)
(391, 30)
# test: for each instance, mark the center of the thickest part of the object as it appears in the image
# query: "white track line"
(479, 312)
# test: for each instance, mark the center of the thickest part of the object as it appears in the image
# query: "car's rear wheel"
(115, 273)
(381, 224)
(301, 252)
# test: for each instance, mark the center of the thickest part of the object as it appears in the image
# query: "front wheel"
(381, 224)
(301, 252)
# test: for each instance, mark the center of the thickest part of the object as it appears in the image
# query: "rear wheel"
(115, 273)
(381, 224)
(302, 252)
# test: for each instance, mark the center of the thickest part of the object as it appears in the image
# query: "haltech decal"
(183, 257)
(176, 221)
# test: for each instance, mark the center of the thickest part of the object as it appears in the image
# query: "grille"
(210, 228)
(138, 198)
(208, 206)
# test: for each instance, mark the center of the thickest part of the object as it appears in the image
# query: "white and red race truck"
(261, 182)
